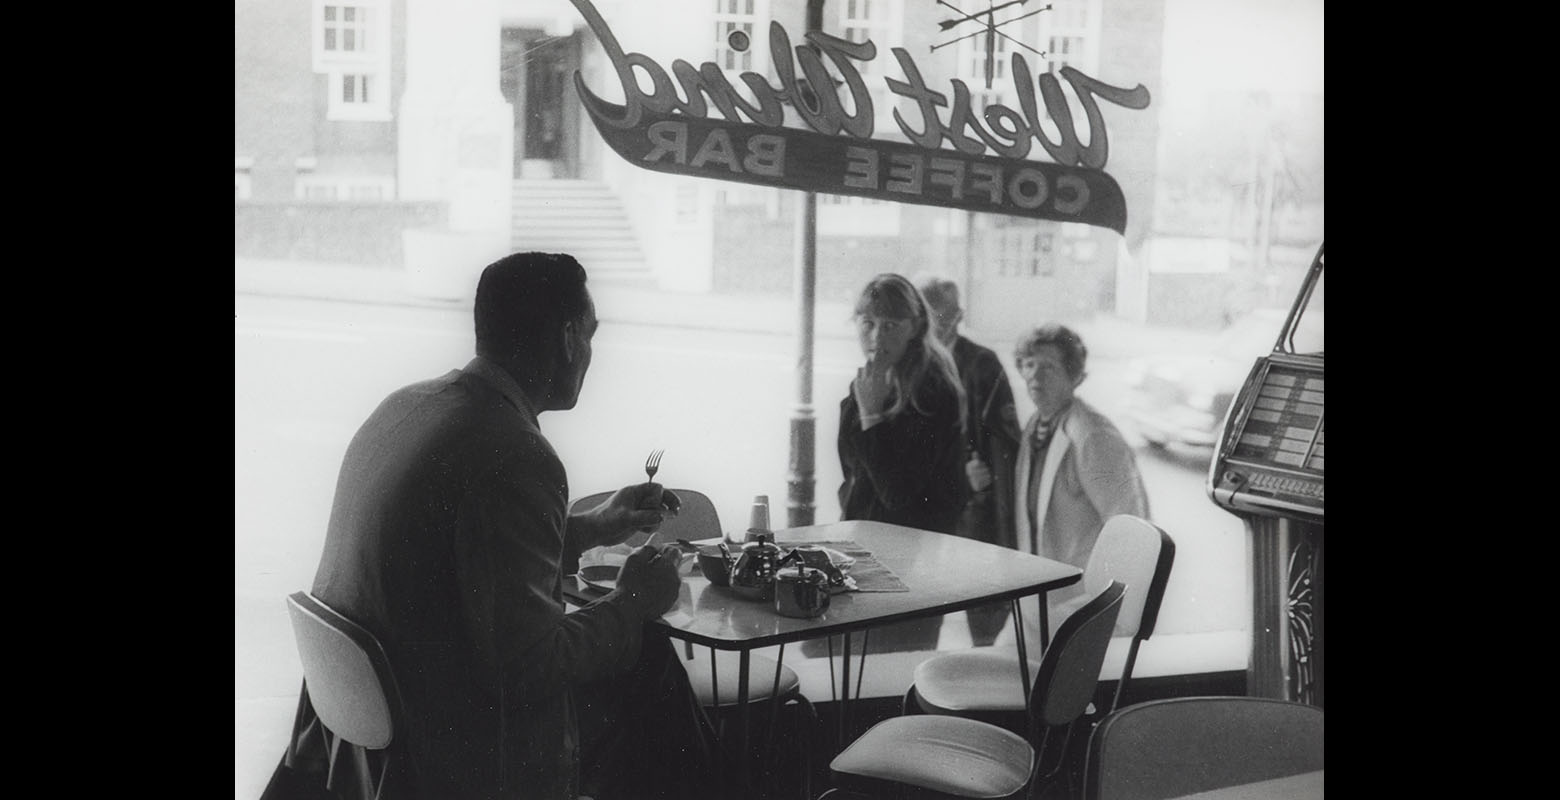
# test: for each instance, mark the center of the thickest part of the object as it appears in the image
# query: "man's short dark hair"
(1074, 354)
(940, 293)
(523, 300)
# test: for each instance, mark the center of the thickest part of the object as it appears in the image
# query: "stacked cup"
(758, 520)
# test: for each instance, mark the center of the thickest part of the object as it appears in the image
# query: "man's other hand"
(649, 579)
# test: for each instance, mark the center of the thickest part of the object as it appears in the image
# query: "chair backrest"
(696, 518)
(1070, 668)
(346, 673)
(1167, 748)
(1138, 553)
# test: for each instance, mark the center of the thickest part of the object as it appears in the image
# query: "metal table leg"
(844, 685)
(742, 711)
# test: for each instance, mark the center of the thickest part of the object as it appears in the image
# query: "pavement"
(1107, 336)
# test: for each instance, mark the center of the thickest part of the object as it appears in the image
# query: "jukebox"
(1268, 469)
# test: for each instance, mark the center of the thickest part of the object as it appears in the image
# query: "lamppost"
(800, 505)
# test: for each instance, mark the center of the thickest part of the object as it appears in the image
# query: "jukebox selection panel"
(1276, 461)
(1285, 423)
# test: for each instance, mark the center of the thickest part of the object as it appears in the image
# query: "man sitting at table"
(448, 539)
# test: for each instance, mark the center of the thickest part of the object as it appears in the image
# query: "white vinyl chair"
(348, 685)
(979, 682)
(959, 757)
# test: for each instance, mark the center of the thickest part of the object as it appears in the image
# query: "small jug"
(715, 563)
(801, 592)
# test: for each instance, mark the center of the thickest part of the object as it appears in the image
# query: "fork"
(652, 465)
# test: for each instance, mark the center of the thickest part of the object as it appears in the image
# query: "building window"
(1070, 31)
(327, 187)
(1015, 31)
(1024, 253)
(351, 49)
(741, 36)
(354, 89)
(1070, 34)
(346, 29)
(1064, 51)
(972, 69)
(877, 21)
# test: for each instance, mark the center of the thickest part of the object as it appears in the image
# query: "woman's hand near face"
(871, 389)
(978, 474)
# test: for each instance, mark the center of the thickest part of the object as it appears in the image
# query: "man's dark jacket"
(991, 430)
(445, 541)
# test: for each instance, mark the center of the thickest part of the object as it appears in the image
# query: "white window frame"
(367, 64)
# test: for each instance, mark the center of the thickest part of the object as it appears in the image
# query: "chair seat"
(761, 677)
(984, 679)
(952, 755)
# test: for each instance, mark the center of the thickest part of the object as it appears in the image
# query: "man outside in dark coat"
(991, 432)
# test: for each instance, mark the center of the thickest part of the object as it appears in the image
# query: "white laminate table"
(944, 574)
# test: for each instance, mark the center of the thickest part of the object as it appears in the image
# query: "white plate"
(601, 572)
(599, 576)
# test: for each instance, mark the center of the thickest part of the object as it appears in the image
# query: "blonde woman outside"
(901, 438)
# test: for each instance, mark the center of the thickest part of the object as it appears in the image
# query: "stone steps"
(584, 219)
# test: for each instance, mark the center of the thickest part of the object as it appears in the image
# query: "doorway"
(535, 76)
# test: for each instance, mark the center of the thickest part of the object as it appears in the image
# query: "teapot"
(753, 575)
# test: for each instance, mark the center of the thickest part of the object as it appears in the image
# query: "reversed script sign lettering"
(667, 132)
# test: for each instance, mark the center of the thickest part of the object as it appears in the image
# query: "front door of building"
(535, 78)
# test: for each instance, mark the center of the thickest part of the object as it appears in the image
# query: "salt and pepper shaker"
(803, 593)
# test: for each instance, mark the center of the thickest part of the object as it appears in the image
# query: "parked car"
(1181, 399)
